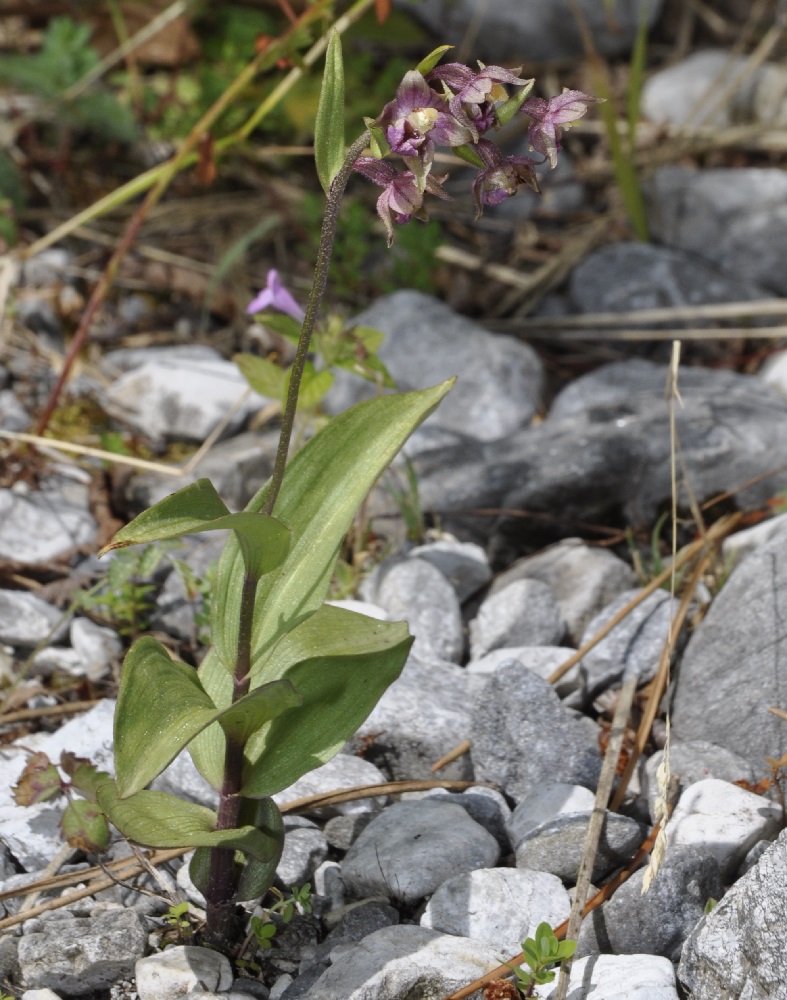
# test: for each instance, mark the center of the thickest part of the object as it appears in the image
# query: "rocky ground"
(536, 496)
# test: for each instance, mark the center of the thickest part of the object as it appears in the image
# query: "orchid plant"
(288, 678)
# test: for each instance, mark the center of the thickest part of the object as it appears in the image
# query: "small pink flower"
(549, 118)
(403, 196)
(275, 296)
(502, 176)
(475, 92)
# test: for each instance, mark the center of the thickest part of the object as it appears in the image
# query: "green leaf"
(156, 819)
(323, 487)
(565, 949)
(196, 508)
(429, 62)
(340, 663)
(162, 706)
(265, 377)
(314, 386)
(329, 126)
(286, 326)
(84, 826)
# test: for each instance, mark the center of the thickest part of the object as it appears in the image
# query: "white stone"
(361, 608)
(184, 401)
(173, 973)
(723, 820)
(404, 961)
(619, 977)
(26, 620)
(41, 526)
(97, 647)
(463, 564)
(542, 660)
(544, 803)
(343, 771)
(39, 995)
(774, 374)
(735, 547)
(497, 906)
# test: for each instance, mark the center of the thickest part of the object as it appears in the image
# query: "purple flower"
(502, 176)
(417, 120)
(549, 118)
(403, 196)
(275, 296)
(476, 91)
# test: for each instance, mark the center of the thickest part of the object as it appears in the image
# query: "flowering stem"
(222, 883)
(324, 252)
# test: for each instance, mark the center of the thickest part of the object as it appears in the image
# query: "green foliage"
(541, 953)
(299, 901)
(83, 824)
(406, 498)
(64, 58)
(315, 671)
(329, 123)
(410, 264)
(125, 597)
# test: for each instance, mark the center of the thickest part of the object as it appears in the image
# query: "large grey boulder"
(735, 663)
(734, 218)
(737, 951)
(604, 451)
(425, 343)
(534, 30)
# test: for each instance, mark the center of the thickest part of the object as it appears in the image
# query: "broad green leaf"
(84, 826)
(429, 62)
(265, 377)
(329, 125)
(286, 326)
(565, 949)
(313, 387)
(156, 819)
(162, 706)
(84, 775)
(323, 487)
(340, 663)
(196, 508)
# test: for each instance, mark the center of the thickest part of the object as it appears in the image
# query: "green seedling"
(541, 954)
(83, 823)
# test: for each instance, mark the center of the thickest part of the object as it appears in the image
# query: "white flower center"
(423, 119)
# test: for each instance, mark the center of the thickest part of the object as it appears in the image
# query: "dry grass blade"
(778, 712)
(636, 317)
(593, 835)
(452, 755)
(47, 711)
(707, 333)
(716, 535)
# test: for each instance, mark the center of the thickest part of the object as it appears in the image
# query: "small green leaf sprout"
(541, 953)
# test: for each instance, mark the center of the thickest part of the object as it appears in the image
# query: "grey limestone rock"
(305, 849)
(525, 613)
(633, 647)
(720, 214)
(26, 620)
(603, 452)
(486, 806)
(463, 564)
(691, 762)
(736, 952)
(557, 846)
(621, 977)
(497, 906)
(679, 94)
(170, 974)
(87, 955)
(736, 662)
(41, 526)
(547, 800)
(648, 276)
(522, 732)
(583, 579)
(414, 590)
(541, 660)
(183, 401)
(413, 847)
(404, 961)
(724, 821)
(535, 30)
(418, 720)
(658, 921)
(426, 342)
